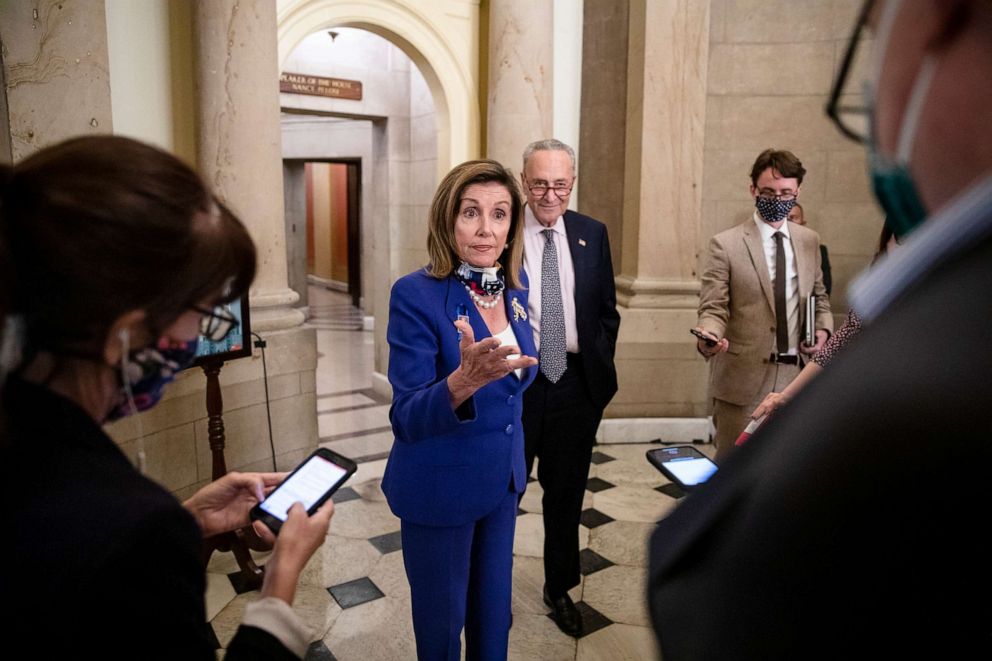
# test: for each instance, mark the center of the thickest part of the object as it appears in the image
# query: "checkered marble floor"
(354, 593)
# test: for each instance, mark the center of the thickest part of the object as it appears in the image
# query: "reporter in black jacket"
(114, 258)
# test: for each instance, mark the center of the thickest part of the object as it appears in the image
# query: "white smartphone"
(312, 483)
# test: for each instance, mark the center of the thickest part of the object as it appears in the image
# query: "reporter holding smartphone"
(457, 463)
(114, 258)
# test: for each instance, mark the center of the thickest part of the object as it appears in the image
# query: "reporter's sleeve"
(270, 629)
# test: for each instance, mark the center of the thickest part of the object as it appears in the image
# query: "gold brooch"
(518, 310)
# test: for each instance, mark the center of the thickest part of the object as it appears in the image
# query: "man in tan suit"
(752, 302)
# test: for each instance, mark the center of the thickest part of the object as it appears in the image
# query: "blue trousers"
(462, 577)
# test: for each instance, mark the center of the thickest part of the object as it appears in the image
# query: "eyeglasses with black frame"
(561, 190)
(785, 197)
(217, 322)
(852, 121)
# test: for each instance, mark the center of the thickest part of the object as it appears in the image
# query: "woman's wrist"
(280, 581)
(459, 387)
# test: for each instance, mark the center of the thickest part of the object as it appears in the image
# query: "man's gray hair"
(549, 144)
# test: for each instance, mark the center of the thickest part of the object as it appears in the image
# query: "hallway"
(354, 593)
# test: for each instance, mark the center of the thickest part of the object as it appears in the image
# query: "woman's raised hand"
(482, 362)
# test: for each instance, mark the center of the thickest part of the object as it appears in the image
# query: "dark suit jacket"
(447, 467)
(855, 523)
(596, 316)
(98, 560)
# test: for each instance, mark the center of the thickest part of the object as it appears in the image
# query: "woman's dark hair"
(95, 227)
(441, 247)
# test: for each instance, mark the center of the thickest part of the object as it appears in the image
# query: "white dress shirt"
(791, 274)
(533, 255)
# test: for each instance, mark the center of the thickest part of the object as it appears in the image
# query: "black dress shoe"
(565, 614)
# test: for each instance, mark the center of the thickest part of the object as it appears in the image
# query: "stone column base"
(659, 371)
(645, 430)
(657, 293)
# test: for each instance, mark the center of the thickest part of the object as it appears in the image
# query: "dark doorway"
(331, 213)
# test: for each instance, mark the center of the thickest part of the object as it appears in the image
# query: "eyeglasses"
(561, 190)
(785, 197)
(852, 121)
(217, 322)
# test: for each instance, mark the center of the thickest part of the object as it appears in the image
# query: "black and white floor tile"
(354, 593)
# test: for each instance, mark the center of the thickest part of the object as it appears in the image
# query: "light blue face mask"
(891, 180)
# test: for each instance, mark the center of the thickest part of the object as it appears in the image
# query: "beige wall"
(765, 74)
(771, 66)
(151, 72)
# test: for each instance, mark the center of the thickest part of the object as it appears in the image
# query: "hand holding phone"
(311, 484)
(682, 464)
(710, 342)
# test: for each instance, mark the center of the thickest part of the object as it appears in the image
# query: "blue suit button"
(509, 400)
(509, 429)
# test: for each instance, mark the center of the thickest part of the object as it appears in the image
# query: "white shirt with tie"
(533, 255)
(767, 233)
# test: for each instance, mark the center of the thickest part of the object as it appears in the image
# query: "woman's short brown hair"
(441, 247)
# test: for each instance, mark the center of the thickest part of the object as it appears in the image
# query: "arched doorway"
(449, 70)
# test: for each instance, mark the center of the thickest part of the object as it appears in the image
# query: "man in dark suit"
(851, 523)
(572, 309)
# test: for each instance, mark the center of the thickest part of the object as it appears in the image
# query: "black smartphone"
(710, 342)
(312, 483)
(682, 464)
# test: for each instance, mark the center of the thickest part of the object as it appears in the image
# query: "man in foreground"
(852, 524)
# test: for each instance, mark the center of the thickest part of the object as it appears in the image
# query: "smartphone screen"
(691, 471)
(683, 464)
(307, 485)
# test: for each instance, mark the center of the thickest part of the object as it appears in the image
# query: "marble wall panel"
(771, 69)
(780, 21)
(56, 72)
(170, 456)
(847, 176)
(857, 232)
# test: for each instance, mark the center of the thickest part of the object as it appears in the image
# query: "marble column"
(603, 117)
(520, 78)
(55, 73)
(239, 141)
(666, 105)
(239, 152)
(659, 124)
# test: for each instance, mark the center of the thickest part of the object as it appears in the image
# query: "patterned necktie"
(781, 316)
(552, 357)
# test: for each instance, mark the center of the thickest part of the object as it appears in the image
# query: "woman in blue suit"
(461, 355)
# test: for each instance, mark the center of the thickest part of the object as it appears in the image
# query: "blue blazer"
(449, 467)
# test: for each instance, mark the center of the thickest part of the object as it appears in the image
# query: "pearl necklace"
(485, 305)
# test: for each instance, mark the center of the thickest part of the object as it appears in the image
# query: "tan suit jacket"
(737, 301)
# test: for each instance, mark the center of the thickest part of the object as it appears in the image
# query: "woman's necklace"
(482, 281)
(485, 305)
